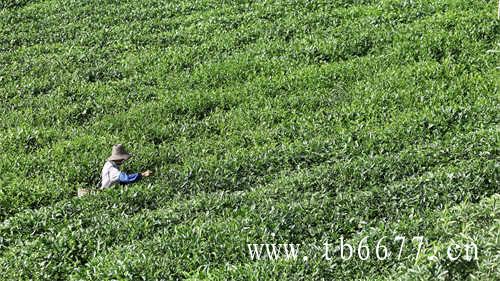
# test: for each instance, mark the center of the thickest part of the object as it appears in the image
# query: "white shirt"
(110, 174)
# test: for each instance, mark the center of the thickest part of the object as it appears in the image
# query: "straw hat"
(119, 153)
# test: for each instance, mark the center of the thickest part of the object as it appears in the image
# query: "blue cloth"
(128, 178)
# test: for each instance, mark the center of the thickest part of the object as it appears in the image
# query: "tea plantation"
(264, 122)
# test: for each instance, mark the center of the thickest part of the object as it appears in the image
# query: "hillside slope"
(264, 122)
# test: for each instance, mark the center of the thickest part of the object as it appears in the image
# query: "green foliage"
(307, 119)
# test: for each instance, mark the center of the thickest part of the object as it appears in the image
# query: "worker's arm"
(129, 178)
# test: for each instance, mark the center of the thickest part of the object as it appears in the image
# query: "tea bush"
(263, 121)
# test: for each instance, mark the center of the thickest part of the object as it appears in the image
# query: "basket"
(84, 191)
